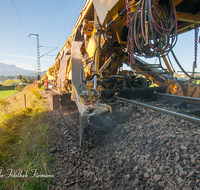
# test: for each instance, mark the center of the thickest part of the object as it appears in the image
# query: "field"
(7, 91)
(10, 81)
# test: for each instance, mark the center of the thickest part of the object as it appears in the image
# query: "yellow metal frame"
(97, 51)
(110, 14)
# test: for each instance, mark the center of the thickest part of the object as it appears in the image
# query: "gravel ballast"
(137, 148)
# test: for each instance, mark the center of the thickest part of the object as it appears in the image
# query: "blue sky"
(184, 51)
(53, 20)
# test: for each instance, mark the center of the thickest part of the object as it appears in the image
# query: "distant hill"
(12, 70)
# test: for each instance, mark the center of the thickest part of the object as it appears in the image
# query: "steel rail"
(188, 100)
(183, 116)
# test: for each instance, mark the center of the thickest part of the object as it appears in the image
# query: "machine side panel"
(62, 71)
(77, 65)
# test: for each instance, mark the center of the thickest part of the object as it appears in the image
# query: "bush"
(42, 88)
(19, 88)
(39, 85)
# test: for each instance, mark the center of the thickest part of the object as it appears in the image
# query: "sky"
(53, 20)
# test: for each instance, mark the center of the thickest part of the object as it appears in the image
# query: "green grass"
(24, 141)
(7, 91)
(10, 81)
(153, 85)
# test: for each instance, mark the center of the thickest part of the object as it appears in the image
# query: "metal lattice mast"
(38, 57)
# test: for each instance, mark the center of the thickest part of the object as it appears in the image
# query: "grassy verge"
(23, 142)
(7, 91)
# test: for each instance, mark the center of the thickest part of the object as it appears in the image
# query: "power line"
(48, 46)
(48, 52)
(74, 19)
(19, 18)
(22, 26)
(66, 22)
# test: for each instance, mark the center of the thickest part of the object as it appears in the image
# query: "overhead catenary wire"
(22, 26)
(19, 18)
(74, 19)
(66, 22)
(48, 52)
(48, 46)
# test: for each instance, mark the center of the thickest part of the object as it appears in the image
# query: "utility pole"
(38, 57)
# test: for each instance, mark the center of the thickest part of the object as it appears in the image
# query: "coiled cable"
(153, 28)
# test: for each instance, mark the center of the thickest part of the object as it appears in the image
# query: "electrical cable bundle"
(153, 28)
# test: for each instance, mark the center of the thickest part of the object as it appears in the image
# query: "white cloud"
(25, 62)
(18, 56)
(24, 57)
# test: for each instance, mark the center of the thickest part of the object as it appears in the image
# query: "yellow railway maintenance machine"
(109, 33)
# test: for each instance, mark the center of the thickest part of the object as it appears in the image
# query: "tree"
(24, 80)
(19, 77)
(29, 81)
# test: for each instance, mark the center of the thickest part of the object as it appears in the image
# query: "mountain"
(12, 70)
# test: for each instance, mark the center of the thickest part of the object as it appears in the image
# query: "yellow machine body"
(101, 27)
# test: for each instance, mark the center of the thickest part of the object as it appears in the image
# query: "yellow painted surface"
(91, 45)
(167, 65)
(102, 7)
(177, 2)
(118, 38)
(69, 70)
(187, 17)
(50, 77)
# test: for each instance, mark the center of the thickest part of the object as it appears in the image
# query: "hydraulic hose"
(153, 28)
(175, 58)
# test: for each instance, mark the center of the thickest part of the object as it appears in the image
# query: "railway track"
(164, 104)
(161, 110)
(132, 147)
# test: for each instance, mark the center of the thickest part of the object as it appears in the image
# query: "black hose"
(161, 24)
(195, 78)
